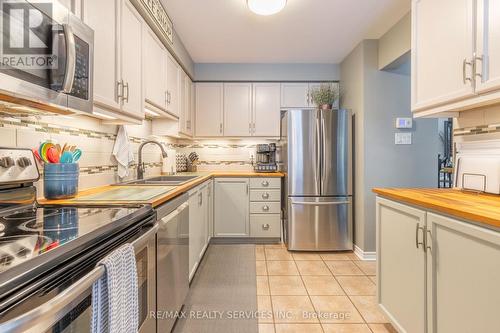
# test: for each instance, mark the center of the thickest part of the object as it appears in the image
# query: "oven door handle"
(43, 317)
(69, 75)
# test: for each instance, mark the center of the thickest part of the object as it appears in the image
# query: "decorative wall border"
(477, 130)
(94, 170)
(39, 126)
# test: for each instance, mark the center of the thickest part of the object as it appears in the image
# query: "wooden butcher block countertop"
(159, 199)
(480, 208)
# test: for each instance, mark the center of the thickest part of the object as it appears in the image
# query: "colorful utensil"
(37, 155)
(66, 157)
(52, 155)
(76, 155)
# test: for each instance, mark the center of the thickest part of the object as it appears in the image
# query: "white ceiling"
(306, 31)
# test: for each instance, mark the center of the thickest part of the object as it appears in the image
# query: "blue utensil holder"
(60, 180)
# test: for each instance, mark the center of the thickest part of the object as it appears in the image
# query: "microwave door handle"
(43, 317)
(69, 75)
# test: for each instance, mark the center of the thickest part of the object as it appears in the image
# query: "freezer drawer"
(319, 224)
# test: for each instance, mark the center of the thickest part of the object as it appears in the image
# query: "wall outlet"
(402, 138)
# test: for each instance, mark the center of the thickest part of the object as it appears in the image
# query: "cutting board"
(126, 194)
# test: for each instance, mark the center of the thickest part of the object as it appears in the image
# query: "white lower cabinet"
(231, 218)
(436, 274)
(247, 207)
(463, 271)
(198, 225)
(401, 265)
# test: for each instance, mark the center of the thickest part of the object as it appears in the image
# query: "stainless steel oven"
(46, 55)
(70, 309)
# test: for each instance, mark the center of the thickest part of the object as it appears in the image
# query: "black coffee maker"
(266, 158)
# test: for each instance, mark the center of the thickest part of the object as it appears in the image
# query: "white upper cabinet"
(295, 95)
(117, 56)
(173, 86)
(155, 70)
(455, 61)
(209, 109)
(131, 51)
(488, 46)
(442, 51)
(237, 109)
(103, 18)
(266, 109)
(185, 117)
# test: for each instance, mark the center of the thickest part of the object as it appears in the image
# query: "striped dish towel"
(115, 306)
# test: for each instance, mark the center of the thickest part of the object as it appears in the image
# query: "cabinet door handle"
(125, 86)
(466, 63)
(250, 128)
(200, 199)
(220, 128)
(119, 90)
(265, 226)
(265, 183)
(265, 195)
(265, 208)
(426, 241)
(248, 188)
(476, 59)
(417, 242)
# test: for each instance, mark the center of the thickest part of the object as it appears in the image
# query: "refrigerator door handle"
(323, 152)
(318, 150)
(319, 203)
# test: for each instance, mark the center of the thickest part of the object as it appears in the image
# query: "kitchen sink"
(161, 180)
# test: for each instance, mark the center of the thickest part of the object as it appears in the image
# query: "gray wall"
(377, 101)
(266, 72)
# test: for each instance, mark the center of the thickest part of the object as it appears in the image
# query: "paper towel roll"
(169, 164)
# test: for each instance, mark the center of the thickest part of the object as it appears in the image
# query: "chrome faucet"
(140, 166)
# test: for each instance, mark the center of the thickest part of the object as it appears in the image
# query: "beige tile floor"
(316, 292)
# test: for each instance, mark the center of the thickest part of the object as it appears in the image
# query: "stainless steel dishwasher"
(172, 260)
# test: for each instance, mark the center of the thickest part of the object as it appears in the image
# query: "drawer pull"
(265, 208)
(265, 183)
(265, 195)
(265, 226)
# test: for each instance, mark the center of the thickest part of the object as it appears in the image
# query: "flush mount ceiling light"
(266, 7)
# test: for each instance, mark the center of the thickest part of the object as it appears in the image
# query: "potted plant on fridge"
(325, 96)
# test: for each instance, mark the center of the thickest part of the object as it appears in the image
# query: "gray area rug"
(222, 297)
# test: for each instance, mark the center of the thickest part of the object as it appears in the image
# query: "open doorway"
(445, 156)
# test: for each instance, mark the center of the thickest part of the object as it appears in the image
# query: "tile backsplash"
(477, 125)
(222, 154)
(97, 165)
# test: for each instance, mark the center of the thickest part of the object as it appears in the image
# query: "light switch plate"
(404, 123)
(402, 138)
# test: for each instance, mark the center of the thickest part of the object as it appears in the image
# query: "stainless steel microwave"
(46, 55)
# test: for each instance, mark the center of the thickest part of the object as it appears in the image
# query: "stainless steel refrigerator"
(316, 157)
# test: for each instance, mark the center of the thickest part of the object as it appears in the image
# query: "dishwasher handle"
(164, 220)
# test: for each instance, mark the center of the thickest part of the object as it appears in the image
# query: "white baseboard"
(365, 255)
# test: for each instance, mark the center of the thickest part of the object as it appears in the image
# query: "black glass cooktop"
(33, 232)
